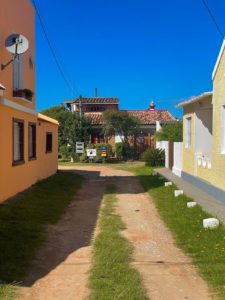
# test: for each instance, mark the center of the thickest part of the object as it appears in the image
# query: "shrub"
(154, 157)
(65, 152)
(126, 152)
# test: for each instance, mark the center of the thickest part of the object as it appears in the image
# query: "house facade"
(93, 107)
(204, 135)
(29, 141)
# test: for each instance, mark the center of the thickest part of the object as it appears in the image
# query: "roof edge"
(218, 59)
(47, 119)
(194, 99)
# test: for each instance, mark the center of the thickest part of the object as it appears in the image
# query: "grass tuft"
(112, 277)
(23, 224)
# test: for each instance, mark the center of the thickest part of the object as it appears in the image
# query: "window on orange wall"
(32, 141)
(18, 73)
(48, 142)
(18, 141)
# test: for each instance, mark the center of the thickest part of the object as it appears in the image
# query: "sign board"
(91, 152)
(79, 147)
(104, 151)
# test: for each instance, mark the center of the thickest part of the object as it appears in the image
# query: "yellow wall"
(189, 153)
(17, 178)
(215, 175)
(17, 16)
(218, 164)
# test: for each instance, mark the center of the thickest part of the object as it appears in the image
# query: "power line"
(59, 66)
(213, 18)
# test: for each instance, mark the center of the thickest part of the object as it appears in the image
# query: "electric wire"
(55, 57)
(213, 18)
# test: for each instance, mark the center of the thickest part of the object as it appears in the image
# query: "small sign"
(91, 152)
(104, 151)
(79, 147)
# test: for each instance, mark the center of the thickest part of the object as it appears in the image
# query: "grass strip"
(112, 277)
(23, 224)
(205, 246)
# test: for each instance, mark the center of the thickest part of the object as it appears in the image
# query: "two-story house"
(28, 149)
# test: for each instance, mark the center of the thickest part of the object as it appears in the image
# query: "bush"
(126, 152)
(154, 157)
(65, 152)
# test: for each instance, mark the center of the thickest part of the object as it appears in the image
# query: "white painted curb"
(191, 204)
(178, 193)
(210, 223)
(168, 183)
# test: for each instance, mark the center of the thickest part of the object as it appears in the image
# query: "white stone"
(178, 193)
(210, 223)
(191, 204)
(168, 183)
(154, 174)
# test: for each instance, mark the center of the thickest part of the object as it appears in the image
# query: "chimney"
(96, 92)
(152, 106)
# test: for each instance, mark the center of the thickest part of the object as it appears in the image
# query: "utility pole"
(80, 105)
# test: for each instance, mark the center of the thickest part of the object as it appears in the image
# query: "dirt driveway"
(61, 269)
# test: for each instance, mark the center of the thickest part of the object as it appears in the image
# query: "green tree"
(72, 127)
(121, 123)
(171, 132)
(61, 114)
(77, 129)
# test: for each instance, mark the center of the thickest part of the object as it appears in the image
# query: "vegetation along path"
(64, 266)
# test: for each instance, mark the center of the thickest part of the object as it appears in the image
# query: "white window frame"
(188, 132)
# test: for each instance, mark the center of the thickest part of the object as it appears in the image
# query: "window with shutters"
(32, 141)
(18, 141)
(48, 142)
(223, 130)
(188, 133)
(18, 73)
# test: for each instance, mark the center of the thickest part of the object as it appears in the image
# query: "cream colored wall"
(14, 179)
(218, 163)
(189, 153)
(17, 16)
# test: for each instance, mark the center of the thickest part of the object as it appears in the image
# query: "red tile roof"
(146, 117)
(97, 100)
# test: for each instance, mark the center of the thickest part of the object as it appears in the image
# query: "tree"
(72, 127)
(121, 123)
(171, 132)
(77, 129)
(61, 114)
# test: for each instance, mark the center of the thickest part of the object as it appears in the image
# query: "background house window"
(18, 73)
(188, 133)
(32, 140)
(48, 142)
(223, 130)
(18, 141)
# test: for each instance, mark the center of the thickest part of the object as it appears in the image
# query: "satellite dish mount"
(15, 44)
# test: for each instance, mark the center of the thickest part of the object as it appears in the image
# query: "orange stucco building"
(29, 141)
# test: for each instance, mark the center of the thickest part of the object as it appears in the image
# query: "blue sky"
(135, 50)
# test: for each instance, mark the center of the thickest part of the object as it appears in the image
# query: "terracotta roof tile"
(146, 117)
(97, 100)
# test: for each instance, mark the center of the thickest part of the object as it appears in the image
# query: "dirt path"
(61, 269)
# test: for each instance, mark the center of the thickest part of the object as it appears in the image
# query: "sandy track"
(62, 267)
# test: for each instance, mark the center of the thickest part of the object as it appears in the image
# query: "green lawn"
(112, 277)
(206, 247)
(23, 223)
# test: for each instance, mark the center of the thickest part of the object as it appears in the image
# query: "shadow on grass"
(26, 219)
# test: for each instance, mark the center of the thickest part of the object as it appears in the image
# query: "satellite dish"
(17, 44)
